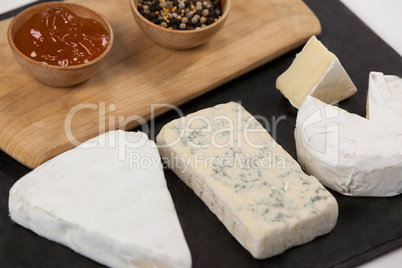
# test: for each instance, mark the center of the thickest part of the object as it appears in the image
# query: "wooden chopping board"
(38, 122)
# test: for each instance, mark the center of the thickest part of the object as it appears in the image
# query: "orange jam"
(57, 36)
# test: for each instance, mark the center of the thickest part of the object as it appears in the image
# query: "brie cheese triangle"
(315, 72)
(348, 153)
(106, 199)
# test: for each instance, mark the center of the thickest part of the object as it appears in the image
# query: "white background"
(7, 5)
(384, 17)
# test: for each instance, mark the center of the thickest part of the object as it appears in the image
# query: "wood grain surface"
(35, 119)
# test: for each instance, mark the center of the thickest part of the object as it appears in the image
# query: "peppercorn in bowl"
(180, 24)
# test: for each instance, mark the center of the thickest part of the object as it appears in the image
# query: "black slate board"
(366, 228)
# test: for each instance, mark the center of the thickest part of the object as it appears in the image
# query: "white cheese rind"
(95, 201)
(384, 99)
(315, 72)
(267, 207)
(335, 85)
(348, 153)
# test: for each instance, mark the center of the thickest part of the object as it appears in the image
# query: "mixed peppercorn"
(181, 14)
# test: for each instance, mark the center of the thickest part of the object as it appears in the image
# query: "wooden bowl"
(52, 75)
(177, 39)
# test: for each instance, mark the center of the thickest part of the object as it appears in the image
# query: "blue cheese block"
(247, 180)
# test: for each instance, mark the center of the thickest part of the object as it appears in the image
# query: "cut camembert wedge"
(315, 72)
(247, 180)
(102, 200)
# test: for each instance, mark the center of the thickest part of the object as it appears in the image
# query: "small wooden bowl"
(176, 39)
(52, 75)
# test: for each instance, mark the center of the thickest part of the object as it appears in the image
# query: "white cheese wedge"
(315, 72)
(106, 199)
(384, 99)
(251, 183)
(347, 152)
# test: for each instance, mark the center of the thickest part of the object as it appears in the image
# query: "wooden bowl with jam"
(60, 44)
(181, 38)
